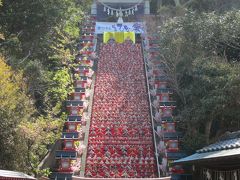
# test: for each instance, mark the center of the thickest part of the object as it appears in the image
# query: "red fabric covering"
(120, 139)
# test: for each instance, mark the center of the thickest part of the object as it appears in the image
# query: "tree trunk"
(208, 130)
(221, 128)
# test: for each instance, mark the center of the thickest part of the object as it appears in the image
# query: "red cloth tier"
(120, 141)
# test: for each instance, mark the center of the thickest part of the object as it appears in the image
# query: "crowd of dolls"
(161, 93)
(68, 155)
(120, 137)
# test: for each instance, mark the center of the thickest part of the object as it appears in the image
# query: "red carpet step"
(120, 140)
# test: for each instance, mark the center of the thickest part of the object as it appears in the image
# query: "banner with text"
(102, 27)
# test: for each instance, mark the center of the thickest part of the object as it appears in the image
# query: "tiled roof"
(208, 156)
(66, 154)
(14, 174)
(228, 146)
(230, 135)
(221, 145)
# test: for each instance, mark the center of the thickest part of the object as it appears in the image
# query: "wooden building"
(218, 161)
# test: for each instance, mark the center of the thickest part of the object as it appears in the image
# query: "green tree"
(37, 135)
(15, 107)
(38, 39)
(201, 52)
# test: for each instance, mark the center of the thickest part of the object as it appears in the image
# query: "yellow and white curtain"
(119, 37)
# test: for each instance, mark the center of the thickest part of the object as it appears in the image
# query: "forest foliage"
(201, 49)
(38, 41)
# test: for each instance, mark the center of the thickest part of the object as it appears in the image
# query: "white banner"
(102, 27)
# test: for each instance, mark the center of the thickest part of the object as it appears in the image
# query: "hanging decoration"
(113, 11)
(193, 168)
(126, 14)
(221, 175)
(129, 11)
(136, 8)
(235, 175)
(208, 175)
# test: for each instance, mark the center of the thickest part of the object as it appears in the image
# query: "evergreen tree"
(202, 54)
